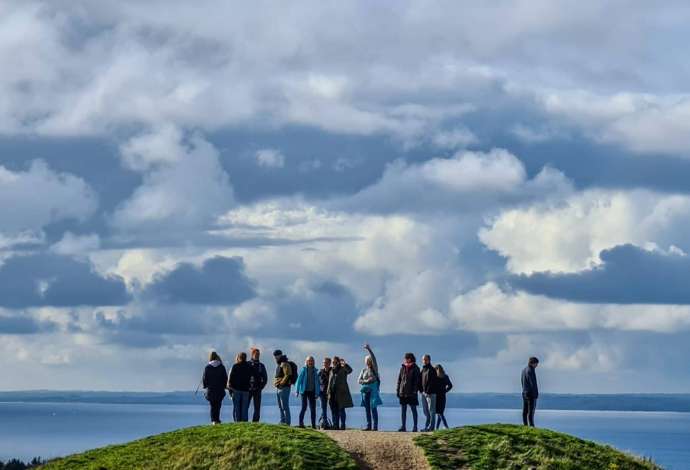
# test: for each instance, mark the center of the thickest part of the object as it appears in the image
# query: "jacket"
(338, 389)
(283, 373)
(301, 383)
(323, 380)
(444, 385)
(260, 377)
(409, 381)
(429, 379)
(214, 379)
(530, 389)
(240, 376)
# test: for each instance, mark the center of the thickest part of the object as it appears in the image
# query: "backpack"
(293, 374)
(324, 423)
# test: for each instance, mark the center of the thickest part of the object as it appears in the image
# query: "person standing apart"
(257, 384)
(240, 378)
(409, 384)
(324, 374)
(307, 386)
(370, 382)
(428, 392)
(213, 381)
(282, 382)
(444, 386)
(530, 391)
(339, 392)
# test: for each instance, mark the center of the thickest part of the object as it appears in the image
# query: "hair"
(335, 361)
(307, 359)
(369, 361)
(253, 350)
(410, 356)
(277, 353)
(426, 356)
(241, 357)
(440, 371)
(327, 359)
(533, 360)
(214, 357)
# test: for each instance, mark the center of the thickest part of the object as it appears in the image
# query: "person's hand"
(296, 394)
(366, 346)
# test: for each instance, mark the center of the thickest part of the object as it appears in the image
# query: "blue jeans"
(371, 411)
(240, 406)
(284, 405)
(429, 408)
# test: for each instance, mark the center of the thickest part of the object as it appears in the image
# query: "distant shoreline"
(499, 401)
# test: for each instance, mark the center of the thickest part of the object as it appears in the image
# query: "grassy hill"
(504, 446)
(228, 446)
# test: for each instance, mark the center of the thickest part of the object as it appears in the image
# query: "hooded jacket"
(241, 376)
(530, 389)
(214, 379)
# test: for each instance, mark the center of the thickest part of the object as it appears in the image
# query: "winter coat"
(214, 379)
(241, 376)
(324, 374)
(301, 384)
(283, 373)
(260, 377)
(409, 381)
(429, 380)
(530, 389)
(338, 389)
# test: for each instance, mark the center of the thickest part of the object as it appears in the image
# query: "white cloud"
(71, 244)
(456, 138)
(270, 158)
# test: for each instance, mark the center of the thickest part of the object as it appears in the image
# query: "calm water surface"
(54, 429)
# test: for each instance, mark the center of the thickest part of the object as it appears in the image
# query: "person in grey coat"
(530, 391)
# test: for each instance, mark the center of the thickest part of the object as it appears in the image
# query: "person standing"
(213, 381)
(307, 386)
(324, 374)
(409, 384)
(257, 384)
(428, 392)
(530, 391)
(282, 382)
(444, 386)
(339, 395)
(370, 382)
(240, 377)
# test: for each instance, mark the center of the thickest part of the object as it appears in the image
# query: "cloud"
(46, 279)
(270, 158)
(39, 196)
(627, 275)
(75, 245)
(218, 281)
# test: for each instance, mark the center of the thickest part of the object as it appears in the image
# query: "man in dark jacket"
(324, 374)
(530, 391)
(429, 384)
(259, 381)
(214, 379)
(282, 382)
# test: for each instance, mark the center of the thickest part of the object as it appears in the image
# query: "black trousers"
(529, 405)
(255, 397)
(216, 403)
(339, 415)
(310, 399)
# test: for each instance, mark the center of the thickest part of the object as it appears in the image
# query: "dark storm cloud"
(218, 281)
(46, 279)
(627, 275)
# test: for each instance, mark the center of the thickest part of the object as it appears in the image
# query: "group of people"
(329, 385)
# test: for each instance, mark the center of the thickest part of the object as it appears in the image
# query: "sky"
(480, 181)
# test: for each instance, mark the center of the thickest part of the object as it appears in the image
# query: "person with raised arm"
(213, 381)
(339, 396)
(370, 382)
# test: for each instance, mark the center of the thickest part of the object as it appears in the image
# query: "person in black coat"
(409, 385)
(260, 379)
(443, 386)
(214, 379)
(530, 391)
(241, 376)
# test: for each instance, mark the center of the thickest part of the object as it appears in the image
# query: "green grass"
(229, 446)
(504, 446)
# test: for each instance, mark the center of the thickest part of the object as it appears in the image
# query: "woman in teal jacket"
(307, 385)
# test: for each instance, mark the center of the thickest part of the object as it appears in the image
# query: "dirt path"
(381, 450)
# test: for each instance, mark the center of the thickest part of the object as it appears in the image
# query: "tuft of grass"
(506, 446)
(249, 446)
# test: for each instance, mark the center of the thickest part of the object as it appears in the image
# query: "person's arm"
(397, 388)
(287, 372)
(418, 373)
(375, 365)
(360, 379)
(348, 369)
(449, 384)
(232, 377)
(300, 379)
(264, 376)
(204, 382)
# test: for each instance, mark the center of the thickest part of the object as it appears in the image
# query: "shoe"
(402, 429)
(414, 429)
(368, 428)
(313, 426)
(375, 428)
(301, 425)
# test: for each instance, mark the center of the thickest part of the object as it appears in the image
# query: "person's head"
(533, 362)
(256, 354)
(214, 357)
(426, 359)
(336, 362)
(277, 354)
(409, 358)
(241, 357)
(440, 371)
(368, 361)
(326, 362)
(309, 361)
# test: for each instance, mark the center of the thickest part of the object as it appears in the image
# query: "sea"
(52, 429)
